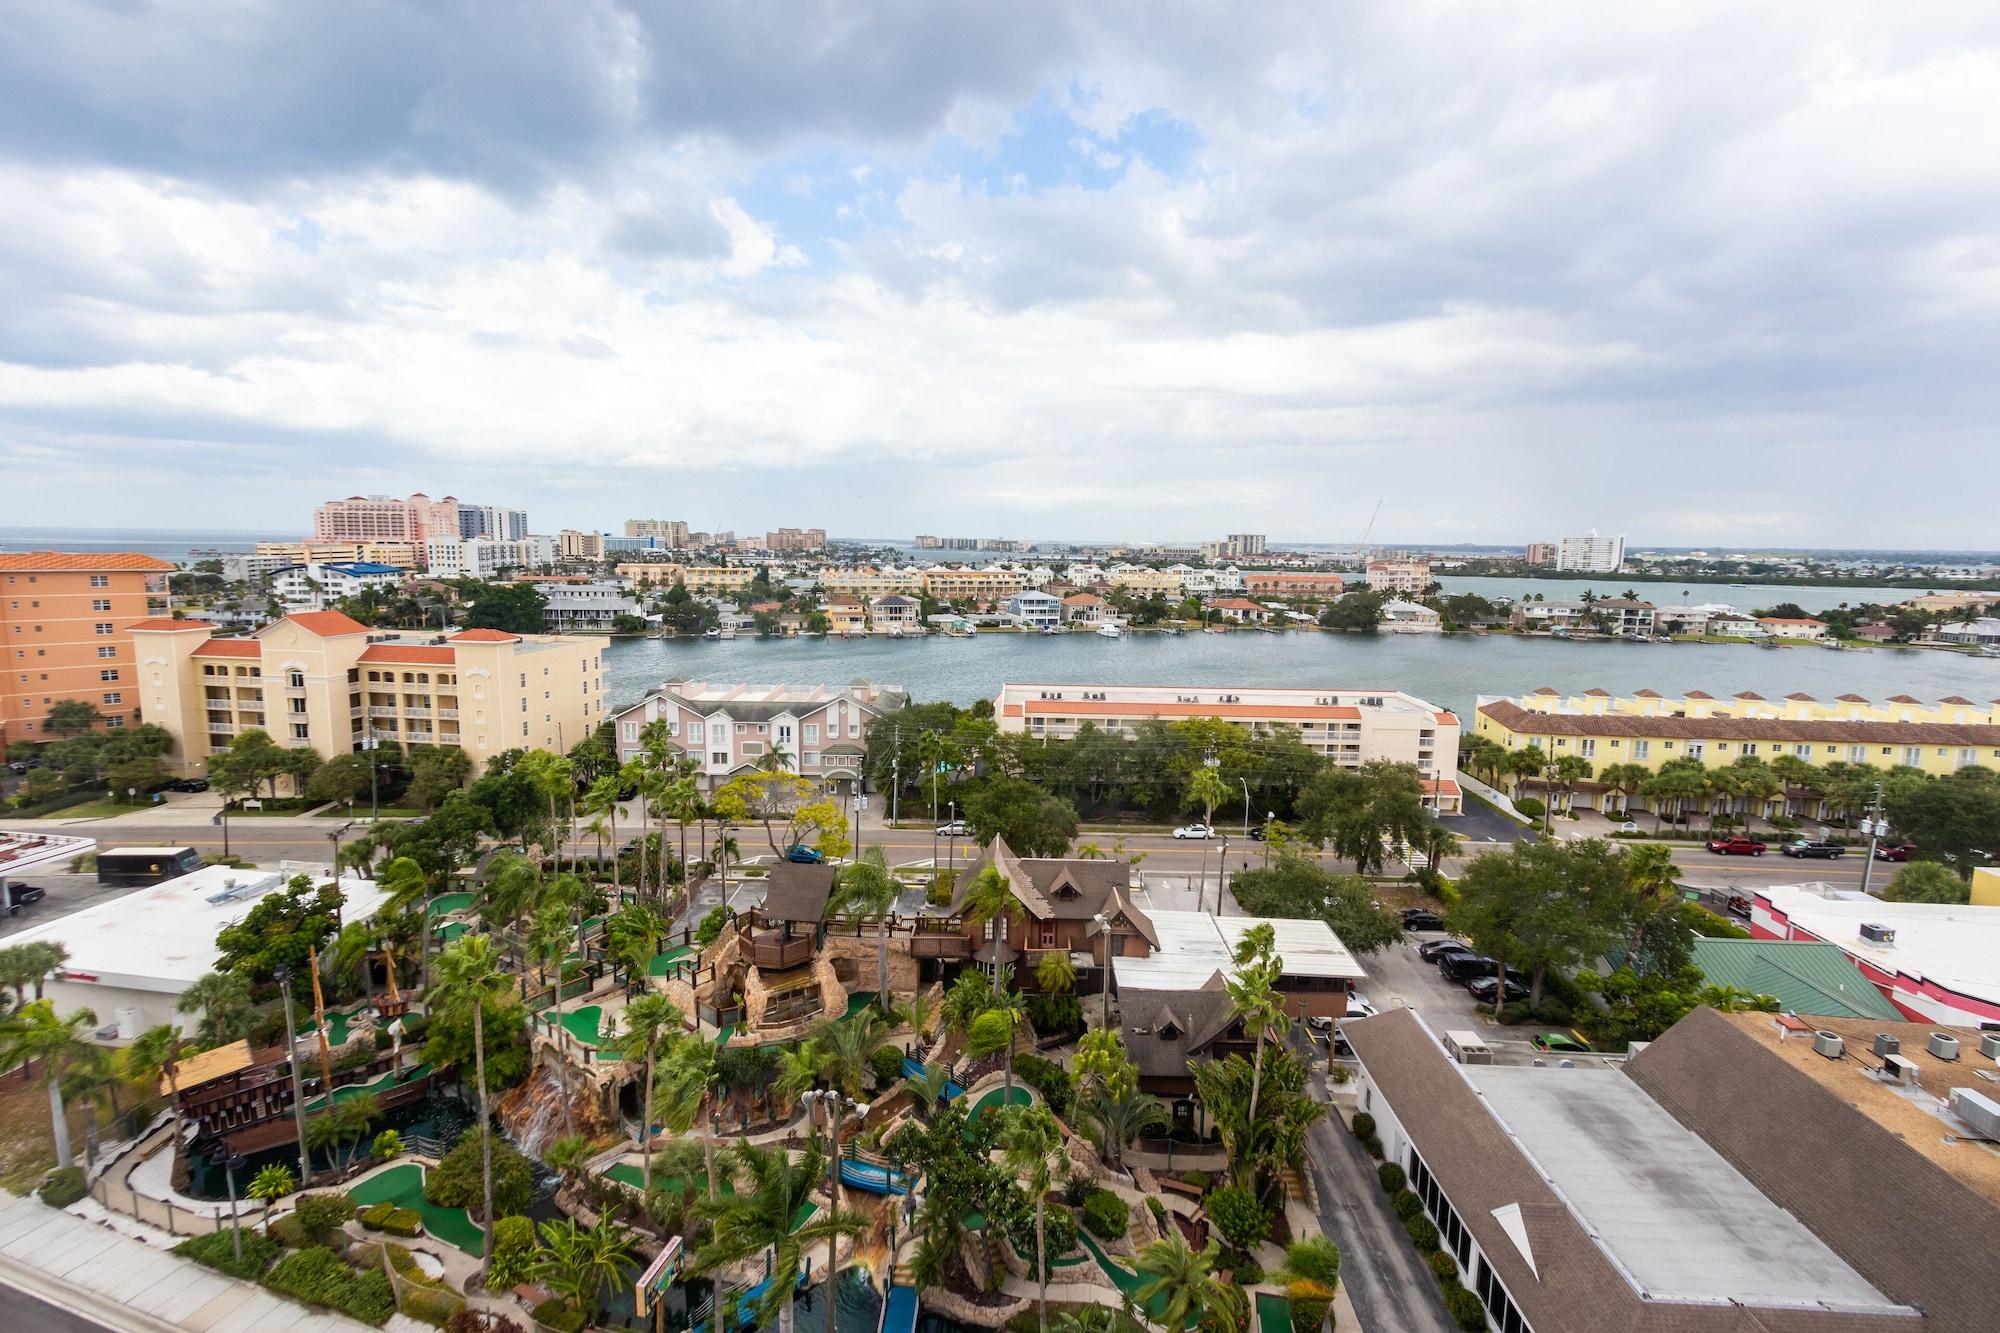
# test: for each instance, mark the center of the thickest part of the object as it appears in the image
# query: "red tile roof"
(327, 624)
(165, 626)
(1533, 723)
(83, 562)
(432, 654)
(1440, 786)
(484, 636)
(230, 648)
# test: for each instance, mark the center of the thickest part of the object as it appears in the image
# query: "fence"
(171, 1217)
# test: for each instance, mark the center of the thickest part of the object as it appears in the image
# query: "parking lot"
(1399, 978)
(66, 893)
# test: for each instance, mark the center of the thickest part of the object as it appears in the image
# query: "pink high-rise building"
(383, 518)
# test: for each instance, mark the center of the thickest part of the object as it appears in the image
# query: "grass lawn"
(93, 810)
(403, 1186)
(26, 1150)
(451, 930)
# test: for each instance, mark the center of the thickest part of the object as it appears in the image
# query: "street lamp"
(1104, 987)
(835, 1103)
(232, 1162)
(334, 838)
(371, 743)
(951, 844)
(1246, 805)
(283, 976)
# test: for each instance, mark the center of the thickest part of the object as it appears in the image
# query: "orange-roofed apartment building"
(65, 618)
(1348, 726)
(320, 680)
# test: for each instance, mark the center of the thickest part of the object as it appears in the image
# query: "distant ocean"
(180, 545)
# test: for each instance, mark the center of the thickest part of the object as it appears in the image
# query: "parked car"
(1433, 950)
(1421, 918)
(1358, 1006)
(957, 828)
(1901, 851)
(1471, 966)
(1256, 833)
(18, 896)
(1483, 989)
(1560, 1043)
(1736, 844)
(1194, 831)
(188, 784)
(804, 855)
(1808, 849)
(18, 766)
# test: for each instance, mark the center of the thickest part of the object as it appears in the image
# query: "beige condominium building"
(324, 681)
(1348, 726)
(976, 585)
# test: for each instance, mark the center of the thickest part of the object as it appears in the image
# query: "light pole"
(1246, 806)
(1548, 795)
(283, 976)
(1221, 873)
(1104, 984)
(233, 1162)
(222, 818)
(951, 844)
(372, 743)
(860, 804)
(333, 864)
(1875, 827)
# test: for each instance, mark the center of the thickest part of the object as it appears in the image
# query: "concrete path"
(1382, 1275)
(123, 1283)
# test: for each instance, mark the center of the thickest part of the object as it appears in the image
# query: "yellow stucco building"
(323, 681)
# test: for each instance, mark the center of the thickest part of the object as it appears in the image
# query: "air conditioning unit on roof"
(1879, 934)
(1829, 1044)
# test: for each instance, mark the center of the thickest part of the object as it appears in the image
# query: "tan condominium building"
(1398, 575)
(1293, 585)
(1140, 579)
(384, 518)
(65, 622)
(718, 578)
(401, 554)
(323, 681)
(1348, 726)
(977, 585)
(867, 581)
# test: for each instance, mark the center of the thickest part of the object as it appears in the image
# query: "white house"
(1405, 617)
(315, 586)
(1035, 610)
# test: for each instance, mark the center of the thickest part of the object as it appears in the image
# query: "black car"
(1421, 918)
(1482, 989)
(1432, 951)
(20, 895)
(188, 784)
(1256, 833)
(1468, 967)
(1807, 848)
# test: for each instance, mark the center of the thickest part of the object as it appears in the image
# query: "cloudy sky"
(1712, 274)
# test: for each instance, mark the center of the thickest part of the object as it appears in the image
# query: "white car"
(1194, 831)
(957, 828)
(1359, 1007)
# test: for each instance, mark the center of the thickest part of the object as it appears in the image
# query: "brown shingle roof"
(1516, 718)
(798, 892)
(1850, 699)
(1196, 1017)
(1598, 692)
(1751, 694)
(1800, 696)
(1903, 699)
(1957, 699)
(1699, 694)
(1646, 694)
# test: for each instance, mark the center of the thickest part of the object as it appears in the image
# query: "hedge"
(64, 1186)
(396, 1221)
(1050, 1079)
(1423, 1233)
(321, 1216)
(1408, 1204)
(1464, 1307)
(318, 1277)
(1443, 1267)
(216, 1250)
(554, 1313)
(1107, 1216)
(1364, 1125)
(1391, 1176)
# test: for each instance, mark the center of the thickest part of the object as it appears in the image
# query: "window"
(1587, 747)
(1913, 755)
(1642, 749)
(114, 697)
(101, 627)
(812, 733)
(694, 732)
(628, 731)
(812, 759)
(300, 731)
(295, 679)
(1803, 751)
(1749, 747)
(96, 580)
(1694, 749)
(115, 723)
(718, 759)
(854, 728)
(100, 603)
(1857, 754)
(108, 675)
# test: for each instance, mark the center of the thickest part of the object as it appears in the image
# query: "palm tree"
(272, 1182)
(1678, 781)
(1314, 1261)
(846, 1047)
(549, 941)
(928, 1088)
(798, 1071)
(916, 1014)
(568, 1156)
(1756, 783)
(633, 776)
(682, 797)
(34, 1033)
(777, 759)
(865, 890)
(1625, 779)
(1121, 1118)
(1569, 770)
(761, 1223)
(689, 1088)
(602, 801)
(578, 1262)
(156, 1056)
(1254, 998)
(648, 1019)
(1055, 973)
(1028, 1139)
(995, 1031)
(1090, 851)
(223, 1001)
(1183, 1283)
(469, 978)
(989, 898)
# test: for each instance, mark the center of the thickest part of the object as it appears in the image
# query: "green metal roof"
(1806, 976)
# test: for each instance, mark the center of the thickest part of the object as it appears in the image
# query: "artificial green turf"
(663, 963)
(1128, 1281)
(338, 1026)
(1274, 1313)
(857, 1001)
(633, 1174)
(403, 1185)
(446, 904)
(451, 930)
(380, 1084)
(582, 1023)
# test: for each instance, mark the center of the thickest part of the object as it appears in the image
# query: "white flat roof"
(1676, 1218)
(1194, 946)
(162, 937)
(1956, 945)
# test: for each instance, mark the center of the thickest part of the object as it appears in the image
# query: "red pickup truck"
(1736, 845)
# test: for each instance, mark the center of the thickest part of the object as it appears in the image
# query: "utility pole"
(283, 976)
(371, 744)
(895, 770)
(1872, 824)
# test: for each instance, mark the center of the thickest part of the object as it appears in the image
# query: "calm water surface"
(1449, 670)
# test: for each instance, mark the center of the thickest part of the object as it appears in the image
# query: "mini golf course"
(914, 1068)
(446, 904)
(633, 1174)
(1274, 1313)
(1128, 1281)
(377, 1085)
(582, 1023)
(663, 963)
(403, 1186)
(451, 930)
(339, 1024)
(857, 1001)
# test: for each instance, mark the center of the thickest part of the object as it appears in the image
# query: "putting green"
(1128, 1281)
(1274, 1313)
(446, 904)
(663, 963)
(999, 1097)
(582, 1023)
(377, 1085)
(338, 1026)
(633, 1174)
(451, 930)
(403, 1185)
(857, 1001)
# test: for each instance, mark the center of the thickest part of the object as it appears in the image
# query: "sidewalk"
(127, 1284)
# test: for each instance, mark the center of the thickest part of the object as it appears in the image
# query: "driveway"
(1391, 1288)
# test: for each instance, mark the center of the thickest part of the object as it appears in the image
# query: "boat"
(1214, 629)
(711, 634)
(1834, 645)
(1107, 630)
(1052, 629)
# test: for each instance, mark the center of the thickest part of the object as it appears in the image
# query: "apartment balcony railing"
(383, 712)
(251, 719)
(354, 711)
(220, 729)
(298, 742)
(447, 712)
(416, 712)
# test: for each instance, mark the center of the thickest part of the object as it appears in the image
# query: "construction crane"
(1367, 533)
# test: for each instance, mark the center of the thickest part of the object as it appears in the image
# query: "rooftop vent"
(1900, 1069)
(1887, 1044)
(1879, 934)
(1943, 1045)
(1989, 1045)
(1829, 1044)
(1977, 1110)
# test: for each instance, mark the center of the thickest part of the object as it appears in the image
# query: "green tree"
(1181, 1285)
(1295, 886)
(1314, 1262)
(1360, 812)
(436, 771)
(1033, 822)
(1204, 792)
(760, 1223)
(470, 980)
(649, 1020)
(72, 717)
(989, 902)
(1055, 973)
(223, 1001)
(581, 1263)
(282, 928)
(994, 1032)
(34, 1035)
(513, 607)
(1543, 904)
(340, 779)
(155, 1058)
(846, 1047)
(1951, 819)
(1253, 995)
(865, 891)
(1028, 1140)
(1121, 1117)
(1927, 882)
(1360, 611)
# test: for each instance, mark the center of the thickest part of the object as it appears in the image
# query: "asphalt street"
(19, 1310)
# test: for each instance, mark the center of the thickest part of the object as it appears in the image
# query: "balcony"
(938, 944)
(389, 713)
(451, 713)
(297, 742)
(221, 729)
(354, 711)
(771, 950)
(416, 712)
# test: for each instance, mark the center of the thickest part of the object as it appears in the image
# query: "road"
(19, 1310)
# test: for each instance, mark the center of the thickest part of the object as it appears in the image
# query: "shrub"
(1309, 1301)
(942, 886)
(216, 1251)
(1373, 1147)
(710, 928)
(1407, 1203)
(1465, 1309)
(383, 1041)
(1106, 1216)
(456, 1181)
(513, 1253)
(1364, 1124)
(1055, 1013)
(1391, 1176)
(1050, 1079)
(1338, 1074)
(1059, 1235)
(388, 1145)
(287, 1232)
(396, 1221)
(481, 1321)
(1530, 807)
(887, 1065)
(1443, 1267)
(1423, 1233)
(1246, 1272)
(1158, 1209)
(64, 1186)
(554, 1314)
(321, 1216)
(1239, 1217)
(1198, 1179)
(318, 1277)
